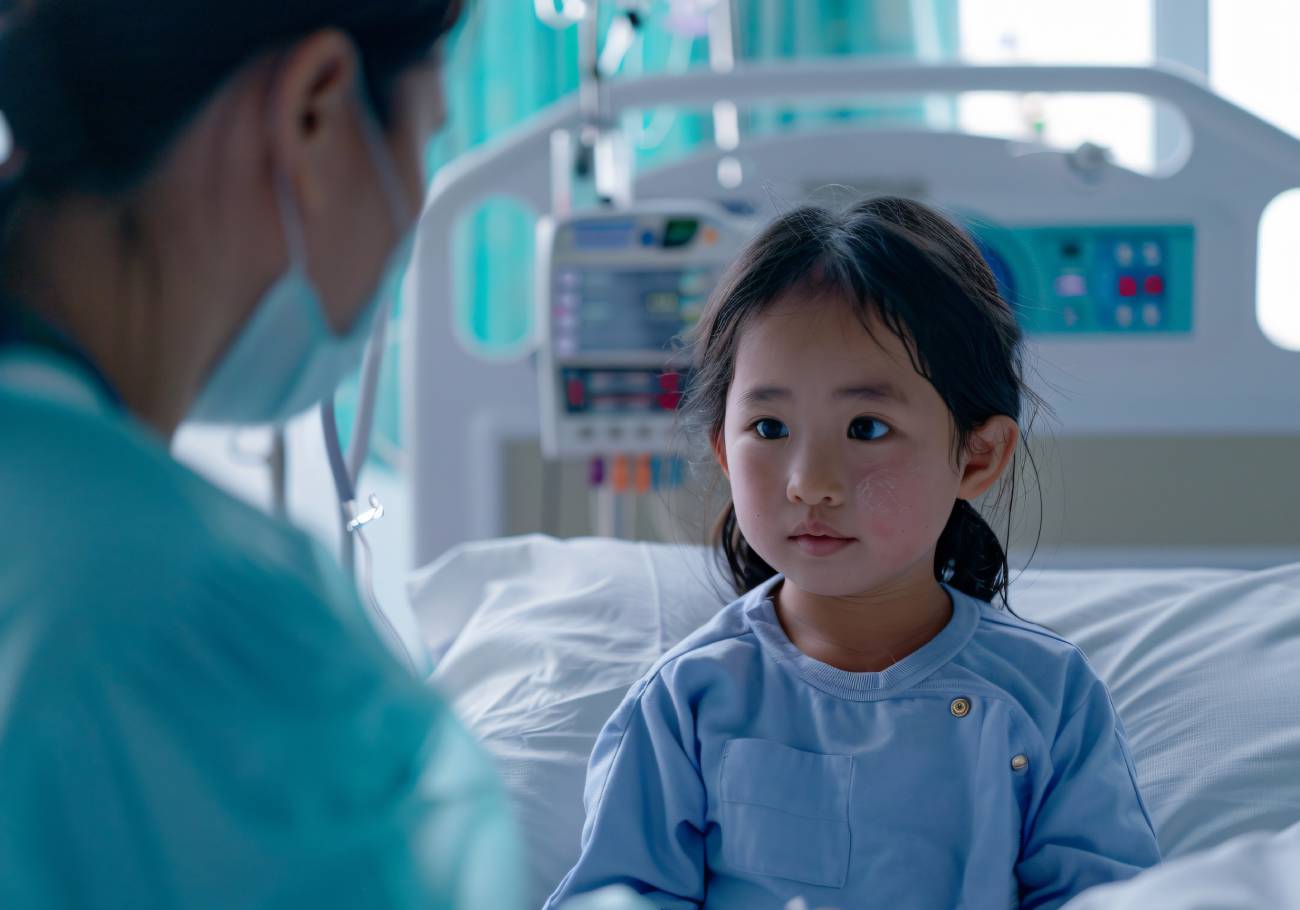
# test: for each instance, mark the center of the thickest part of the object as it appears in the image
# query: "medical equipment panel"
(1093, 279)
(619, 291)
(622, 287)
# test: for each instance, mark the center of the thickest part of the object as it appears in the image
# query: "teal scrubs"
(194, 708)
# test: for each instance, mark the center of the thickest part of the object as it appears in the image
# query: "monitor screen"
(626, 311)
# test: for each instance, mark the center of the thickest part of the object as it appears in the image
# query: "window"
(1062, 32)
(1253, 63)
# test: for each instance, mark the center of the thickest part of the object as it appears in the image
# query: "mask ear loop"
(389, 183)
(346, 472)
(295, 237)
(391, 186)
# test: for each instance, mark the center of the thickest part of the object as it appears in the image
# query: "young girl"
(863, 728)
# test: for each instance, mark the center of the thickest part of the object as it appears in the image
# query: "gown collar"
(760, 611)
(38, 359)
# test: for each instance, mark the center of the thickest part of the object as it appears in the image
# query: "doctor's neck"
(94, 273)
(143, 286)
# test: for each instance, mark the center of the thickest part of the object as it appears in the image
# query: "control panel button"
(577, 393)
(669, 401)
(1128, 286)
(1124, 315)
(1154, 285)
(1071, 284)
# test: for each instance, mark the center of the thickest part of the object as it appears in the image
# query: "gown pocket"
(785, 812)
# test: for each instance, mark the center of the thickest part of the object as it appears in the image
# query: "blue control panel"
(1091, 280)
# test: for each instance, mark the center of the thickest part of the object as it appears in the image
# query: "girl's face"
(840, 455)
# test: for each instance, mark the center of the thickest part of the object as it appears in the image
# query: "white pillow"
(1203, 667)
(542, 638)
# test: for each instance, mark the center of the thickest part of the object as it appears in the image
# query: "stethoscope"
(354, 515)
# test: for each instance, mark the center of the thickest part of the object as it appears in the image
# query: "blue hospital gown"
(742, 773)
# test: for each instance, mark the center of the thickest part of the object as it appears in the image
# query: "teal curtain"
(503, 65)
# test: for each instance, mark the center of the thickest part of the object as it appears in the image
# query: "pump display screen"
(602, 311)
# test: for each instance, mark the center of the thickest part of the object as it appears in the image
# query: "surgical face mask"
(287, 359)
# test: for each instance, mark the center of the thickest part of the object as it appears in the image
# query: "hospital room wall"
(1123, 500)
(1182, 495)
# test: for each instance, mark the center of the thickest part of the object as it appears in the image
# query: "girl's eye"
(770, 428)
(867, 429)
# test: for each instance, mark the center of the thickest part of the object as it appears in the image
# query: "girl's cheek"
(876, 492)
(754, 470)
(757, 488)
(895, 502)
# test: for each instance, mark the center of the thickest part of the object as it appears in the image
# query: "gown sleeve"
(1090, 825)
(646, 805)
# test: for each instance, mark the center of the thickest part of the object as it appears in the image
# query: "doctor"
(198, 204)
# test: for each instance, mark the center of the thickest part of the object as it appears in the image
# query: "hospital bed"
(538, 639)
(535, 640)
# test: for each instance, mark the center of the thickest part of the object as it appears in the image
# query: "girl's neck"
(868, 632)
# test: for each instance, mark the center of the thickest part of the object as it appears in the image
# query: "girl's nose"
(814, 482)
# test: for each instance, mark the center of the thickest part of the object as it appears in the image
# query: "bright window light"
(1253, 63)
(6, 139)
(1112, 32)
(1277, 282)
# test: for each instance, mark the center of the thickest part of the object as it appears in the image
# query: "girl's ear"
(988, 452)
(719, 446)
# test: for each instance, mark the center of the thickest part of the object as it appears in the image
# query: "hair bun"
(11, 156)
(21, 97)
(34, 120)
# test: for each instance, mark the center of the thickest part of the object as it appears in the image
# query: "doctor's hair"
(922, 278)
(93, 93)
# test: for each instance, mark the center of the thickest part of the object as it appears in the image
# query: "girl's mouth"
(820, 544)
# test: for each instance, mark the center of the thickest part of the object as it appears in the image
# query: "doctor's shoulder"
(119, 539)
(140, 578)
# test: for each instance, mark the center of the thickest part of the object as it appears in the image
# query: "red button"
(1128, 286)
(1154, 285)
(669, 401)
(577, 393)
(670, 382)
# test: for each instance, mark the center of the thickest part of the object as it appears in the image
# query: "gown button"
(960, 707)
(1019, 763)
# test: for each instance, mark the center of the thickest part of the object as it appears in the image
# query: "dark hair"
(929, 285)
(94, 92)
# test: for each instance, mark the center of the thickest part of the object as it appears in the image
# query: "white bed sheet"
(539, 639)
(1251, 872)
